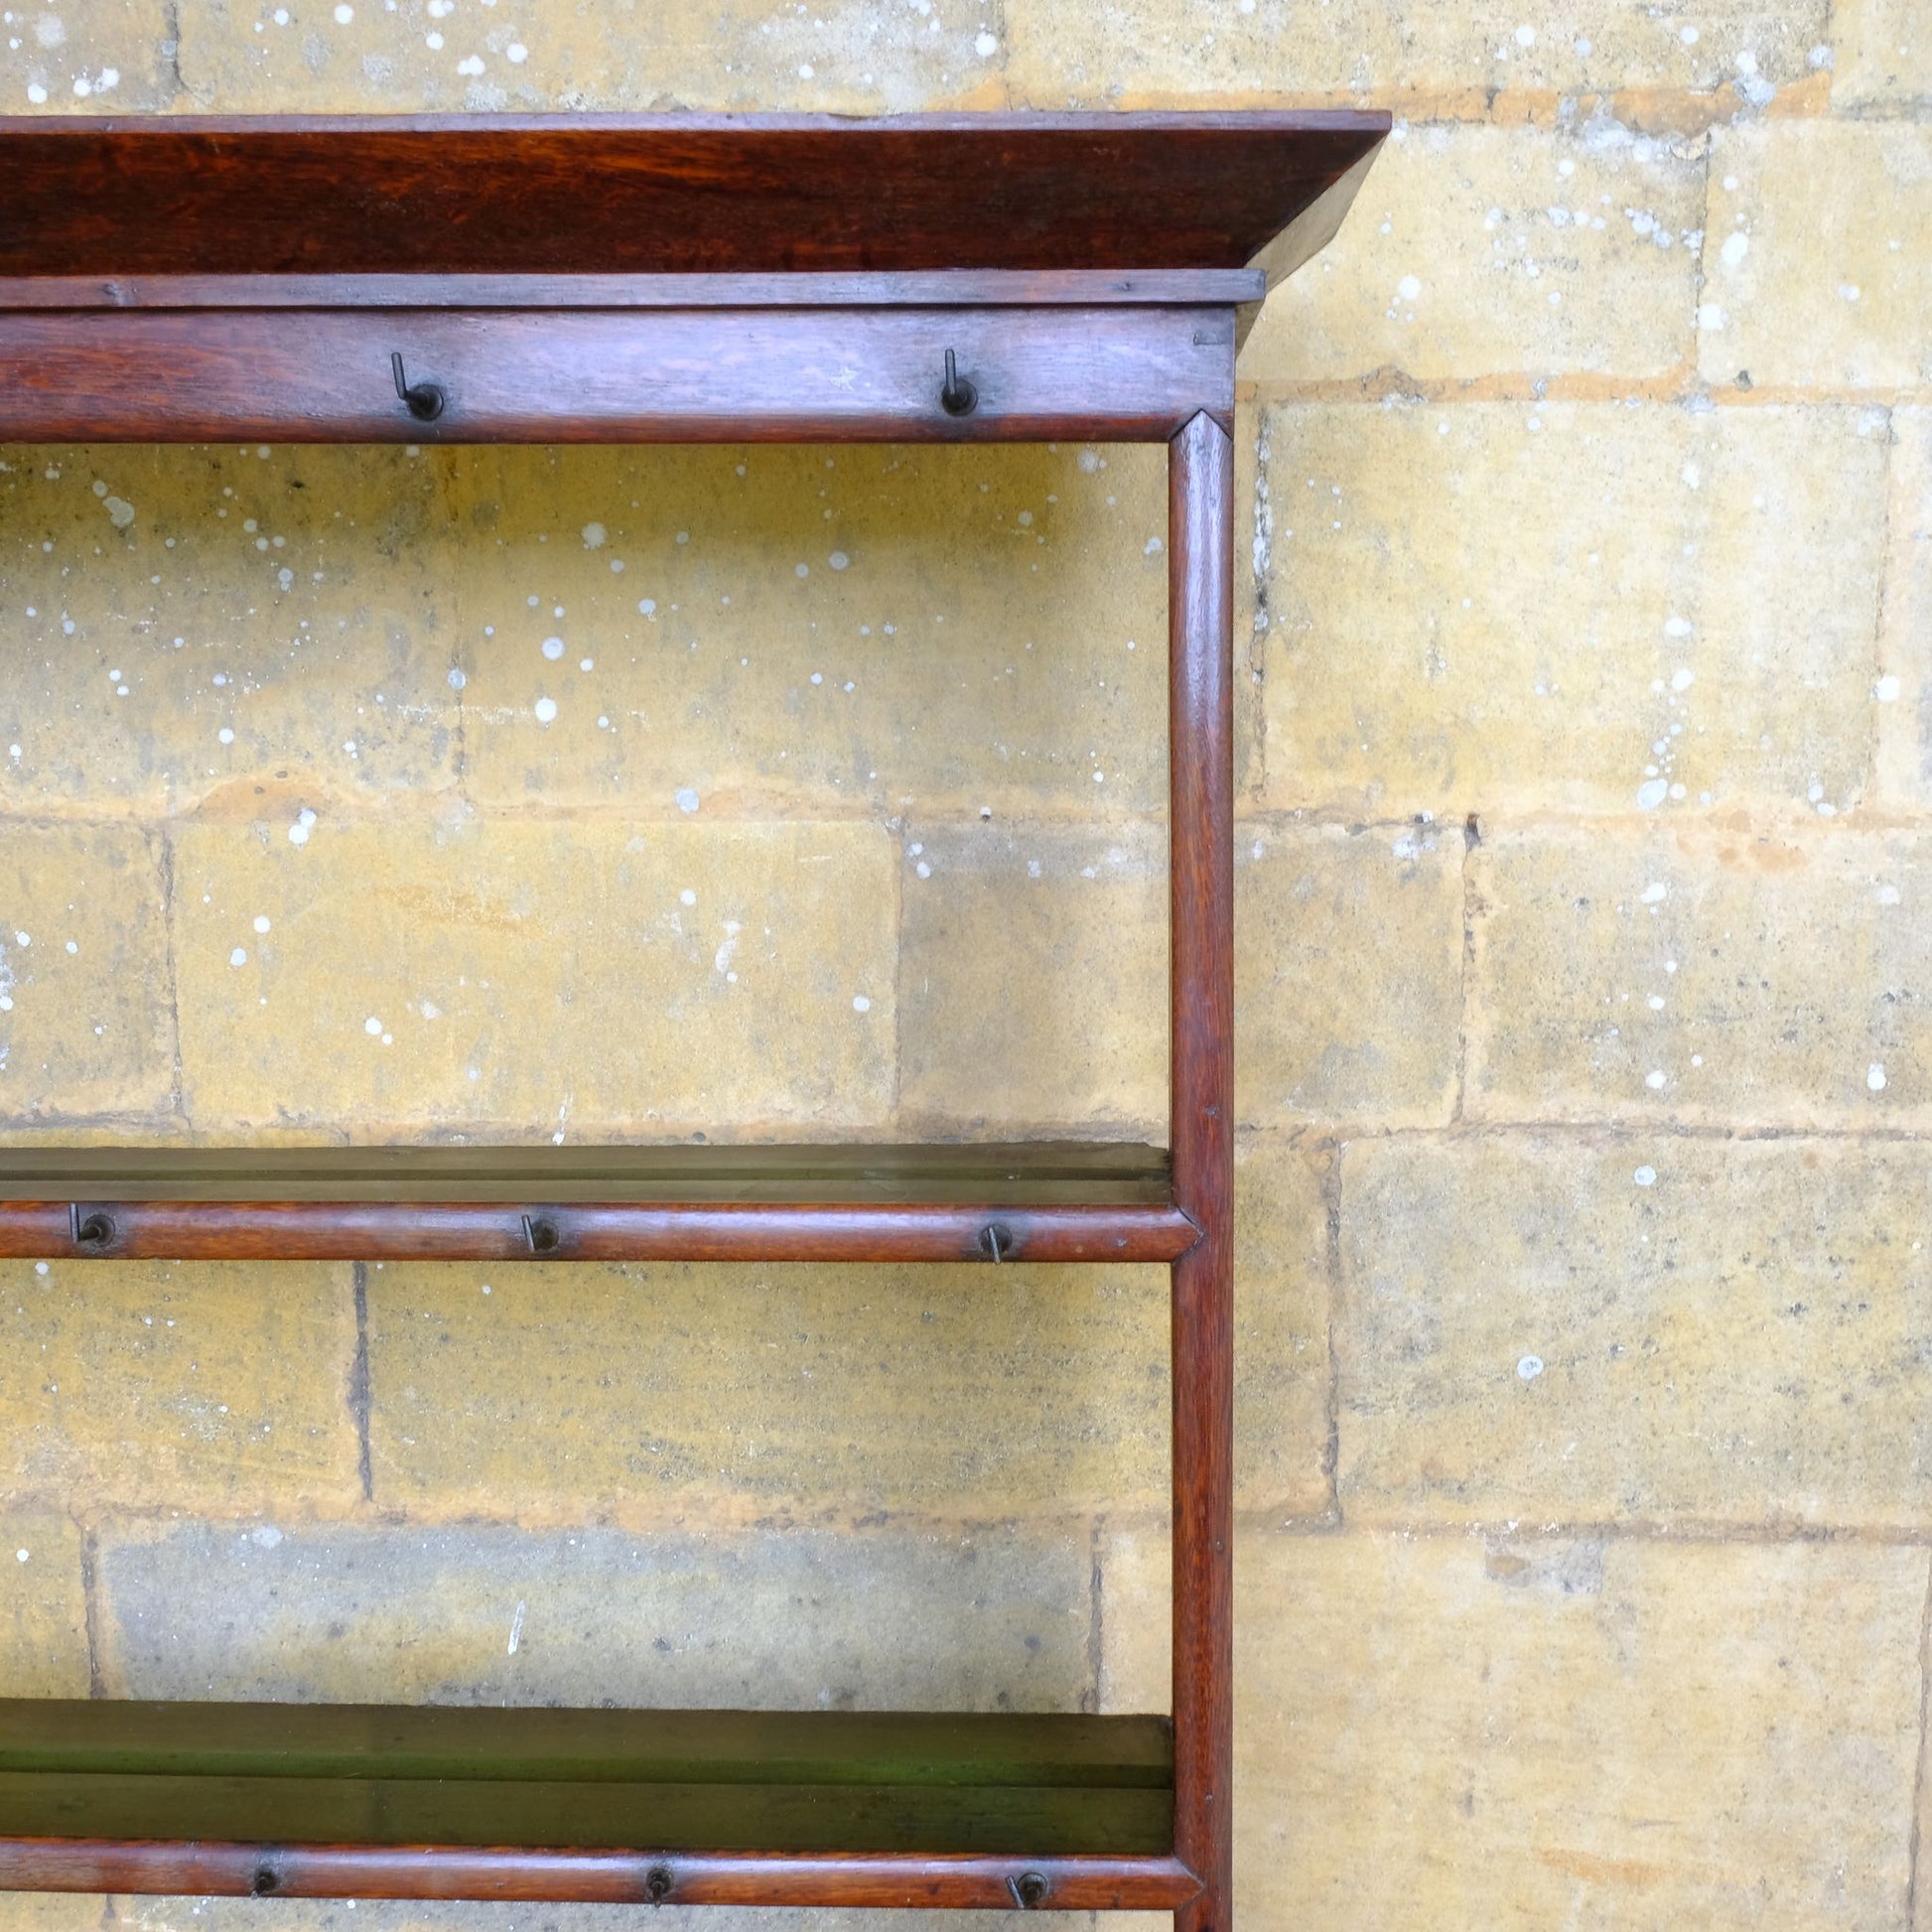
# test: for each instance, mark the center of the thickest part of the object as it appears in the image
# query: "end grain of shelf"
(638, 279)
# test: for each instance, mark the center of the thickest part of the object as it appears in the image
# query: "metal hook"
(957, 396)
(1027, 1889)
(425, 399)
(540, 1231)
(995, 1240)
(91, 1230)
(658, 1884)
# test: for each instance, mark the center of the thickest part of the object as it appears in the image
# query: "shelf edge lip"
(816, 289)
(1080, 1881)
(511, 1230)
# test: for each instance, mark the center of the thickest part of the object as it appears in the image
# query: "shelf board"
(663, 194)
(1041, 1200)
(272, 1785)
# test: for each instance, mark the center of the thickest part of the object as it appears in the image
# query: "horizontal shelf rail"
(1131, 372)
(1069, 1811)
(1027, 1202)
(1147, 1884)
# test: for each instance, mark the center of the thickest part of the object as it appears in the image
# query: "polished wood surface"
(577, 194)
(643, 375)
(1080, 1201)
(1201, 617)
(1147, 1882)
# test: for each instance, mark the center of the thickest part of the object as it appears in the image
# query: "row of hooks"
(93, 1229)
(426, 401)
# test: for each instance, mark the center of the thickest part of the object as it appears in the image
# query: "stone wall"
(1585, 977)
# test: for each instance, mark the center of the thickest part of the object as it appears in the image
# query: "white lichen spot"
(1645, 1176)
(1736, 246)
(457, 678)
(239, 957)
(859, 1004)
(594, 535)
(1654, 1079)
(1887, 689)
(517, 54)
(1654, 894)
(553, 648)
(1874, 1077)
(838, 559)
(1652, 793)
(1530, 1367)
(304, 823)
(373, 1027)
(1710, 317)
(546, 709)
(261, 921)
(687, 798)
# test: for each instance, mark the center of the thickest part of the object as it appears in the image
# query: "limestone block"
(1582, 607)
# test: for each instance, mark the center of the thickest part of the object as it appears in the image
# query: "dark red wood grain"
(1200, 615)
(646, 375)
(661, 193)
(203, 1870)
(623, 1231)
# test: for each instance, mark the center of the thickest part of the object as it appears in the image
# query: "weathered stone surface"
(1457, 624)
(1903, 692)
(182, 622)
(1716, 977)
(1883, 52)
(1447, 1731)
(1474, 251)
(485, 1614)
(647, 1394)
(499, 1915)
(635, 976)
(822, 629)
(86, 1026)
(43, 1612)
(1188, 51)
(1034, 978)
(149, 1383)
(1281, 1326)
(850, 58)
(87, 58)
(704, 1393)
(1652, 1328)
(49, 1911)
(1347, 973)
(1815, 266)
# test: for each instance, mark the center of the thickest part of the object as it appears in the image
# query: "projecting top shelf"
(648, 278)
(659, 195)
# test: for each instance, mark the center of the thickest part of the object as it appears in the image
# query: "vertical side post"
(1200, 834)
